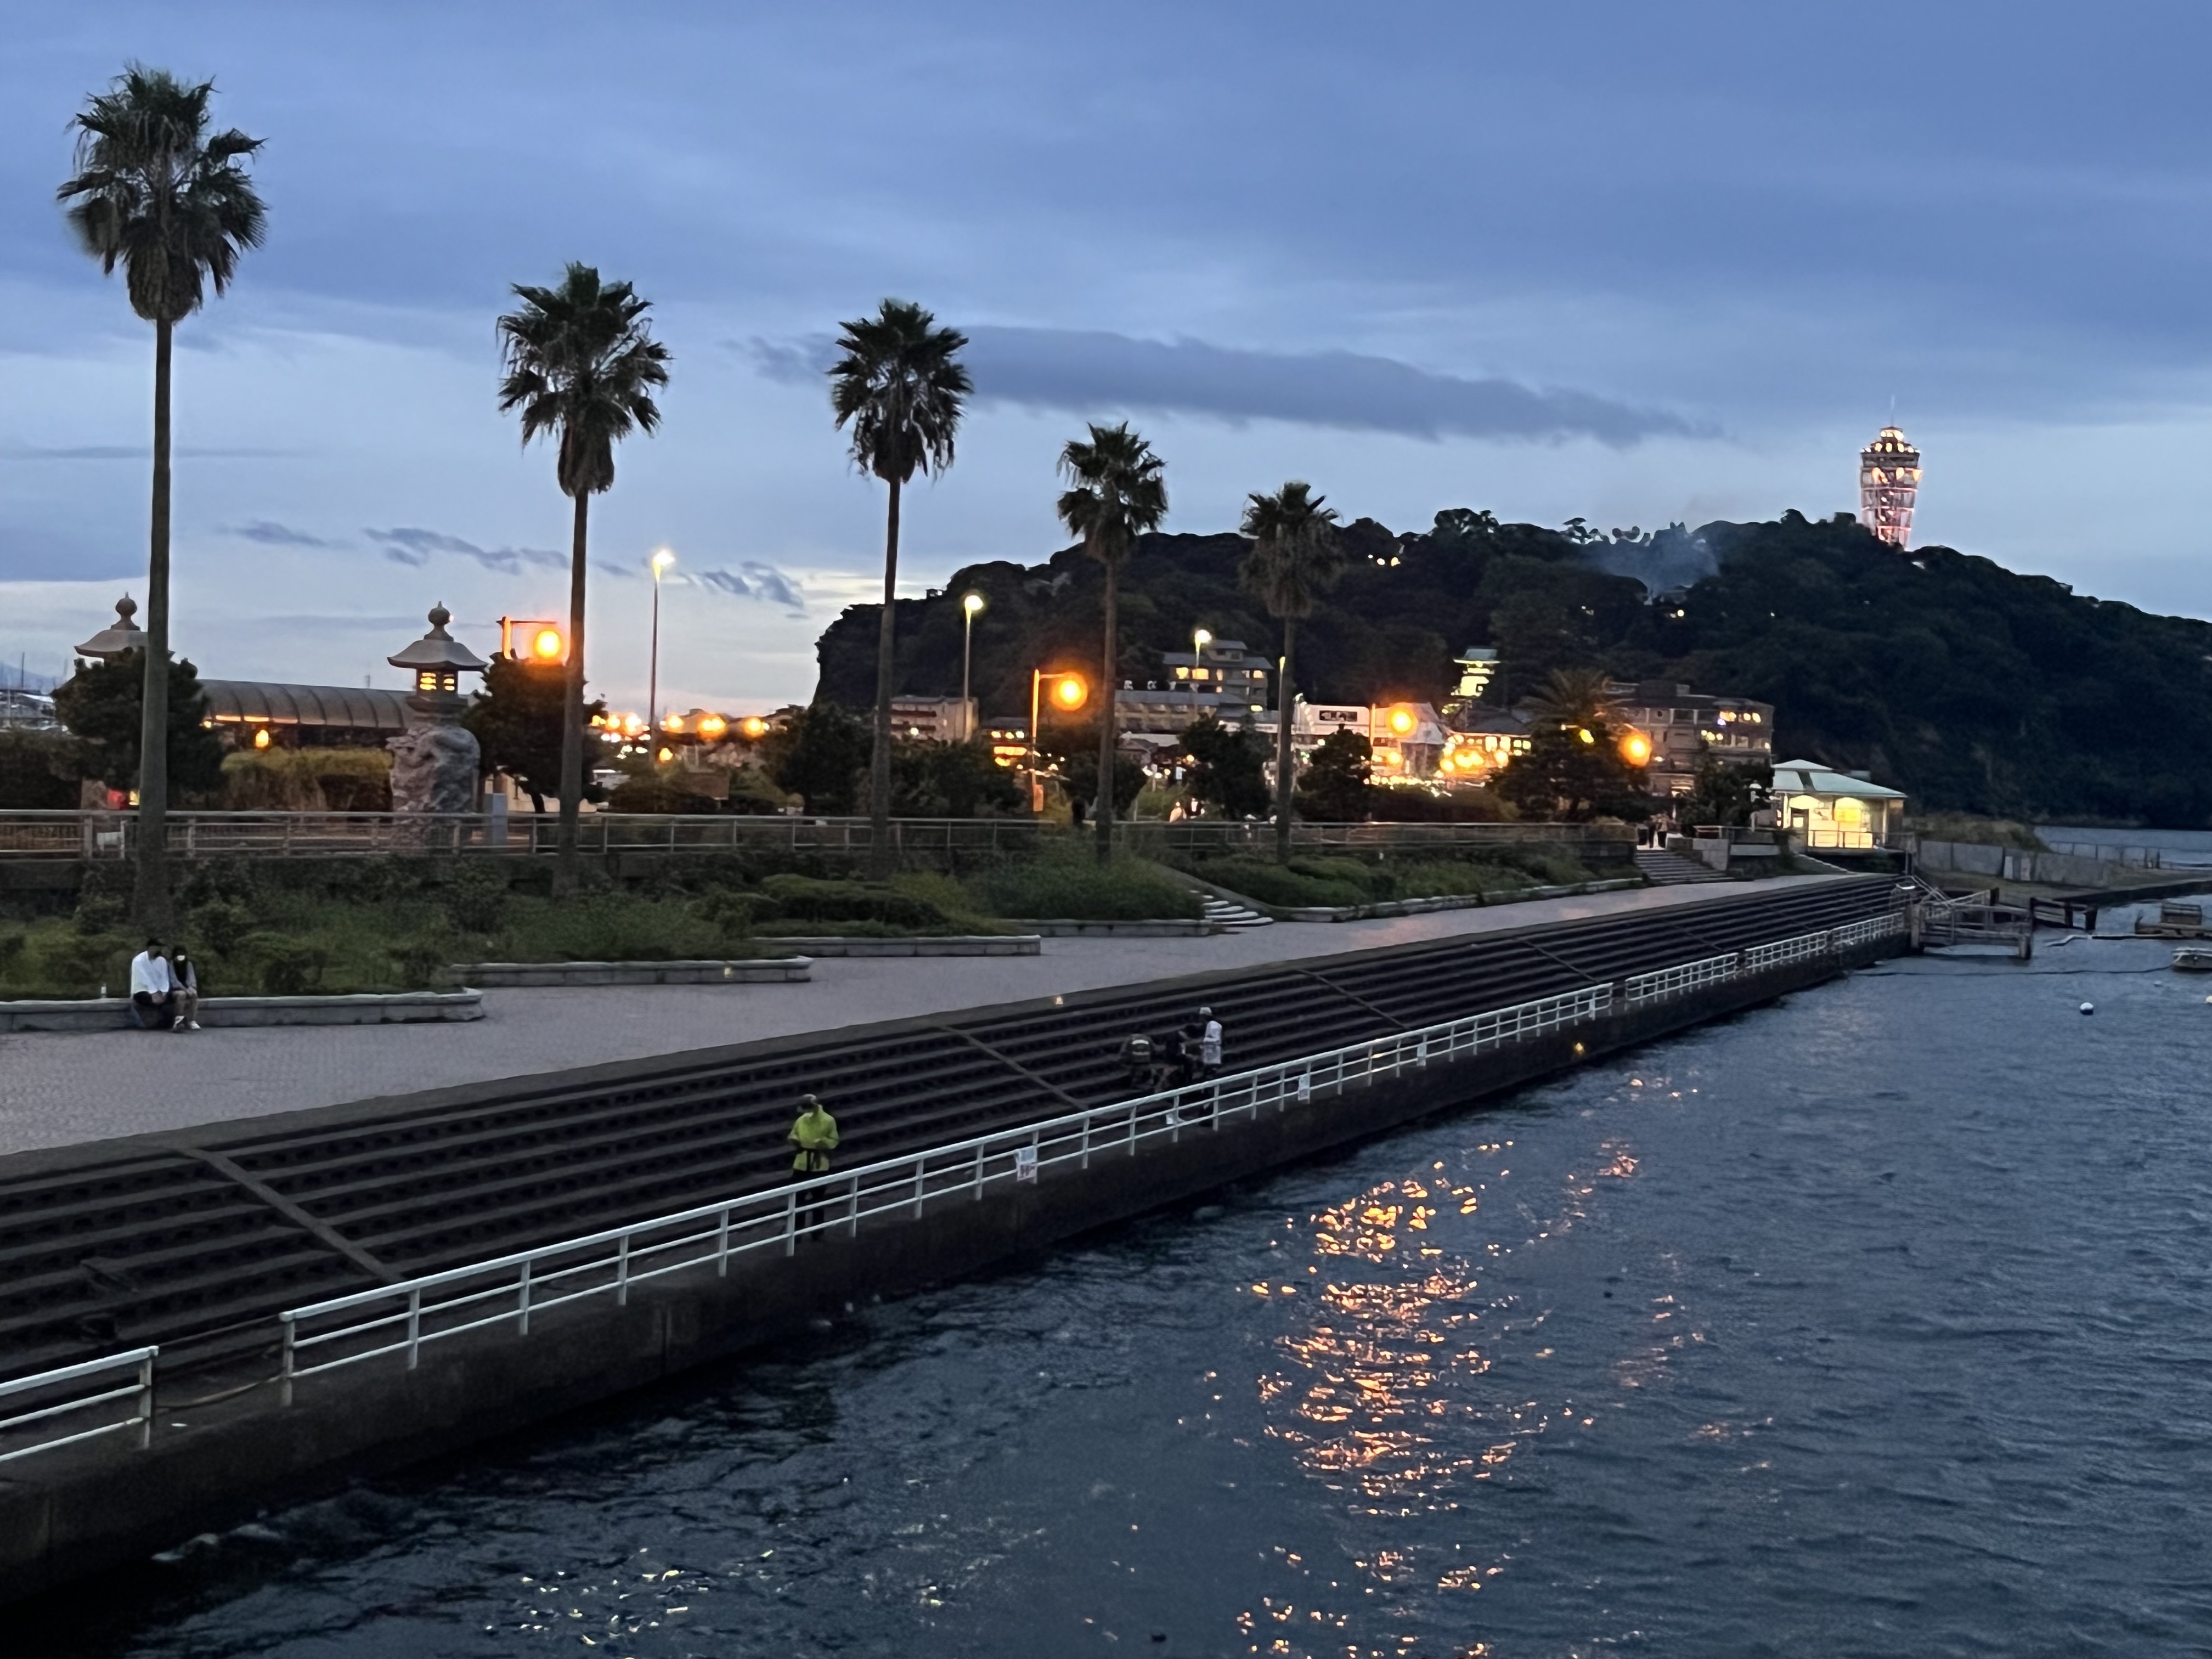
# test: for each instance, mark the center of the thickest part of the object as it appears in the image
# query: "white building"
(1826, 808)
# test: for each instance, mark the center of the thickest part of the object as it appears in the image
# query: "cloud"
(755, 581)
(1091, 372)
(415, 546)
(1085, 370)
(271, 534)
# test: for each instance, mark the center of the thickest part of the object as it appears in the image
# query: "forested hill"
(1946, 675)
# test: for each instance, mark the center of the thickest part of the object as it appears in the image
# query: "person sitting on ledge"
(184, 990)
(151, 1003)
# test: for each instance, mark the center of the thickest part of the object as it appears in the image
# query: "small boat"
(2193, 959)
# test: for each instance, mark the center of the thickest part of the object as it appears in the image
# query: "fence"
(62, 1400)
(331, 835)
(511, 1291)
(114, 835)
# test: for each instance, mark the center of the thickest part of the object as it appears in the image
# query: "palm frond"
(580, 362)
(1118, 492)
(157, 194)
(1296, 556)
(901, 387)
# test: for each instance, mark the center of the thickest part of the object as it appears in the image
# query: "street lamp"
(1069, 693)
(971, 605)
(661, 561)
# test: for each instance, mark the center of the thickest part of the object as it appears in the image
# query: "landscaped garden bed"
(1342, 880)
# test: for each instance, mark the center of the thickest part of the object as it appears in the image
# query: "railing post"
(722, 1245)
(979, 1172)
(1086, 1142)
(853, 1208)
(621, 1271)
(414, 1326)
(146, 1398)
(522, 1301)
(284, 1372)
(920, 1168)
(790, 1222)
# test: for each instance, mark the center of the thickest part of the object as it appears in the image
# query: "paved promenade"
(60, 1088)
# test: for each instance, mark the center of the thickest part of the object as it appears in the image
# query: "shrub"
(286, 967)
(474, 897)
(1069, 884)
(806, 898)
(220, 924)
(419, 964)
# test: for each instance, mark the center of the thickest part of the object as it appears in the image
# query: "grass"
(282, 927)
(1349, 881)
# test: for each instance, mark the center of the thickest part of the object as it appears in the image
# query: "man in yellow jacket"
(813, 1137)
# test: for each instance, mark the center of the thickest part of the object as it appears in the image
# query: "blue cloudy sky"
(1629, 262)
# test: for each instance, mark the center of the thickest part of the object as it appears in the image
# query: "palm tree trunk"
(566, 866)
(1102, 805)
(150, 889)
(1287, 704)
(880, 860)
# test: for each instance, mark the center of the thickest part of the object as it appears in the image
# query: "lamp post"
(971, 606)
(661, 561)
(1069, 692)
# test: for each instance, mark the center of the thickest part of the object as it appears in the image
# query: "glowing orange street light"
(1401, 722)
(712, 726)
(1069, 693)
(754, 726)
(1636, 748)
(546, 645)
(1584, 734)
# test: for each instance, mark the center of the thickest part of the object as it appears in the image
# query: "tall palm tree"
(1570, 697)
(1117, 495)
(155, 192)
(900, 384)
(1296, 557)
(581, 364)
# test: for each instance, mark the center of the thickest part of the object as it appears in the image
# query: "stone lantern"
(121, 636)
(435, 766)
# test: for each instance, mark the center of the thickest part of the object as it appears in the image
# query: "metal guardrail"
(404, 1317)
(1223, 835)
(47, 1383)
(105, 835)
(511, 1291)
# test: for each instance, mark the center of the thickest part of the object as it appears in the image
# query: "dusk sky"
(1633, 262)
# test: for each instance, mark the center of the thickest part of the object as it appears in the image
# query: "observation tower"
(1889, 480)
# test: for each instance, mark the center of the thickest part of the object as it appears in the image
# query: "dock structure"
(482, 1256)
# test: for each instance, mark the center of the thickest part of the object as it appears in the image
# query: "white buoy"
(2089, 1007)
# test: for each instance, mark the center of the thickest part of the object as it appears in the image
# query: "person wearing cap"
(813, 1137)
(1209, 1044)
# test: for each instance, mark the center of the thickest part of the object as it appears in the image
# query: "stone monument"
(435, 765)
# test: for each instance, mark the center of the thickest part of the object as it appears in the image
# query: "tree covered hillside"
(1971, 687)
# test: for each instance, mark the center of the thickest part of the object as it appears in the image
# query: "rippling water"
(1872, 1323)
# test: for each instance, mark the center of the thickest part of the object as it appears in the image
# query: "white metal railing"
(60, 1399)
(1690, 977)
(403, 1318)
(511, 1291)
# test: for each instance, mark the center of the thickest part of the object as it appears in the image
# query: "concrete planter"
(759, 970)
(113, 1013)
(1163, 927)
(942, 944)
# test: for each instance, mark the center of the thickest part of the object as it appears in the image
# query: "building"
(1220, 678)
(1009, 737)
(1406, 740)
(933, 720)
(1889, 483)
(1686, 725)
(261, 714)
(1482, 741)
(22, 709)
(1826, 808)
(1478, 667)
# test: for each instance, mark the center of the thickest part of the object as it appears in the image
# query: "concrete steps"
(1220, 913)
(1664, 869)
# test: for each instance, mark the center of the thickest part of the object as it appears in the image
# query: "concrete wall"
(72, 1512)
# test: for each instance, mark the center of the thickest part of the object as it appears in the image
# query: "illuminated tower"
(1889, 479)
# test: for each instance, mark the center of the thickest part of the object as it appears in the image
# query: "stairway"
(1664, 869)
(1222, 914)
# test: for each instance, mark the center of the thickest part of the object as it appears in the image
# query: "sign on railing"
(56, 1399)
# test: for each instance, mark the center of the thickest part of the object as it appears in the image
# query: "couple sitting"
(165, 989)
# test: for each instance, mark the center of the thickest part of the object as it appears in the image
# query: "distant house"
(1686, 725)
(1826, 808)
(1221, 678)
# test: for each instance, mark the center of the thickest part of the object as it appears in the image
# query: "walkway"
(58, 1088)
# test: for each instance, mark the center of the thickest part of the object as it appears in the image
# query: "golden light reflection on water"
(1388, 1384)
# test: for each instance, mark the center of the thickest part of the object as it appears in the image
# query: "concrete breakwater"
(240, 1447)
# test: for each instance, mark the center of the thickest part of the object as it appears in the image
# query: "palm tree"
(1118, 495)
(900, 384)
(1295, 559)
(1570, 697)
(158, 194)
(582, 364)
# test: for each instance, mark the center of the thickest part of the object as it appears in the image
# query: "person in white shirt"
(1209, 1044)
(155, 998)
